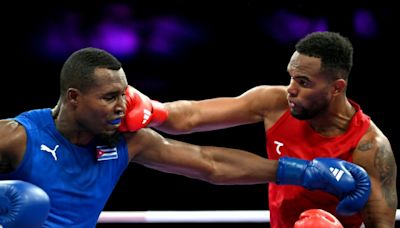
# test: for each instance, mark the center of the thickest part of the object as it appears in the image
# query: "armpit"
(5, 165)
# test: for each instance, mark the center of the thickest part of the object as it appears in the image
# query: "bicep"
(169, 156)
(376, 156)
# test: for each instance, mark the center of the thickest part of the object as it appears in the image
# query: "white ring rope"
(256, 216)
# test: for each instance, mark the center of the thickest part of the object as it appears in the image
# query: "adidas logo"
(146, 116)
(337, 173)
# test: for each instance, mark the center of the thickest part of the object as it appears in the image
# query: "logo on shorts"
(51, 151)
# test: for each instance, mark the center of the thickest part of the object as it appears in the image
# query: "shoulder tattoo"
(386, 166)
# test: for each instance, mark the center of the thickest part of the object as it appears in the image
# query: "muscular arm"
(375, 154)
(252, 106)
(212, 164)
(12, 145)
(220, 165)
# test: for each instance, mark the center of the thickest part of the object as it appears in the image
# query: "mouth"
(291, 104)
(115, 121)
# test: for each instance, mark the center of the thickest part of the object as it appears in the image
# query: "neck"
(68, 127)
(336, 120)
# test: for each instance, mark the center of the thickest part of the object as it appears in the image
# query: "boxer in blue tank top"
(77, 151)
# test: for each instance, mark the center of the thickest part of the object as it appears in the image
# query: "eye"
(303, 82)
(110, 97)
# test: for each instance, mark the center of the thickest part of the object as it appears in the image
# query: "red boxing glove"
(317, 218)
(141, 111)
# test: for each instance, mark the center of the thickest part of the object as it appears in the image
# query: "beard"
(307, 113)
(301, 115)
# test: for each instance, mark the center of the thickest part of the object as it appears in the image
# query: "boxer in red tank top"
(308, 118)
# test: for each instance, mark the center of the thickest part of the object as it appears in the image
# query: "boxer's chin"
(110, 139)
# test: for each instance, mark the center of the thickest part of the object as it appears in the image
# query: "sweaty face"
(309, 92)
(100, 107)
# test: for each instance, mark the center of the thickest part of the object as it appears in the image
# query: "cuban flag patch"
(106, 153)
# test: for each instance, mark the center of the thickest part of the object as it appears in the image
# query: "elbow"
(215, 179)
(213, 175)
(181, 118)
(217, 175)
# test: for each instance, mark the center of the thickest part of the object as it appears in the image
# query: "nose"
(292, 88)
(120, 106)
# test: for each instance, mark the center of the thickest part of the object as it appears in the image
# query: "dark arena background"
(174, 50)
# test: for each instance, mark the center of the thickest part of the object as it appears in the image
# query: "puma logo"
(278, 145)
(52, 151)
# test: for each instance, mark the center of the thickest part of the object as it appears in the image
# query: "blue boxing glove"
(346, 180)
(22, 204)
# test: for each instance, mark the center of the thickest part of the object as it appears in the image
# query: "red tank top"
(295, 138)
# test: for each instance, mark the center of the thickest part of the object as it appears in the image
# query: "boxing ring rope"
(249, 216)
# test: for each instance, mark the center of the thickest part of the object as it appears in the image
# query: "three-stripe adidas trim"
(337, 173)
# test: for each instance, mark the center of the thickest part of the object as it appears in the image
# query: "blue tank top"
(76, 180)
